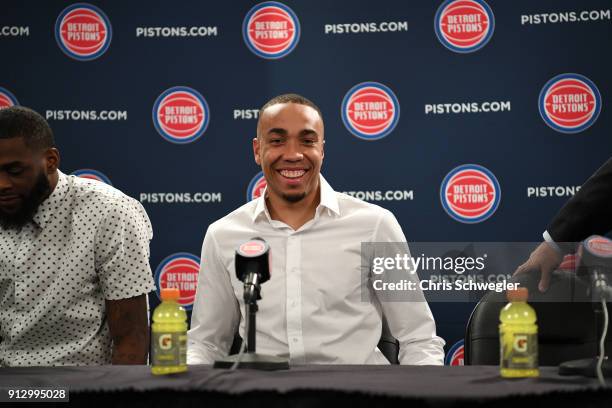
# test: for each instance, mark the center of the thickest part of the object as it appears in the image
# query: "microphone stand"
(252, 359)
(587, 367)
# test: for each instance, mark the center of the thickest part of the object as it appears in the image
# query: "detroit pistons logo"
(370, 110)
(7, 99)
(83, 32)
(569, 103)
(454, 357)
(252, 248)
(470, 193)
(599, 246)
(92, 174)
(464, 25)
(568, 263)
(181, 115)
(256, 187)
(271, 30)
(179, 271)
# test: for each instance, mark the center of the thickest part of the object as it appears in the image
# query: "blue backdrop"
(462, 83)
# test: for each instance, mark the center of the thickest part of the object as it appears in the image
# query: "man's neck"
(293, 214)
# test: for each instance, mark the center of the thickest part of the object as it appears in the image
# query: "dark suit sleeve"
(588, 212)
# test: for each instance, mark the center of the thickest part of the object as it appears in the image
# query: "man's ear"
(322, 149)
(52, 160)
(256, 147)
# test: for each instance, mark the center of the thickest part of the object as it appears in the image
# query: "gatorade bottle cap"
(170, 294)
(517, 295)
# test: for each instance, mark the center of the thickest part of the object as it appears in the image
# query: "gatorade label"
(169, 349)
(519, 350)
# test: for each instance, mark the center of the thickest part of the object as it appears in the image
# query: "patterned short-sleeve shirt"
(87, 242)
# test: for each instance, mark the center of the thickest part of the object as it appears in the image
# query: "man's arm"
(585, 214)
(216, 314)
(129, 330)
(588, 212)
(122, 265)
(410, 321)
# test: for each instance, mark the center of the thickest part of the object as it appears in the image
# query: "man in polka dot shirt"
(74, 258)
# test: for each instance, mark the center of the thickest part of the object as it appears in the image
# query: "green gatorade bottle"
(518, 337)
(169, 335)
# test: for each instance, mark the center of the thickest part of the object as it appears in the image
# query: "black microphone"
(595, 269)
(252, 263)
(596, 261)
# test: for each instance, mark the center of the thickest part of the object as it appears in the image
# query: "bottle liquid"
(518, 337)
(169, 335)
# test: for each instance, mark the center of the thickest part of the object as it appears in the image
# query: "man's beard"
(31, 202)
(294, 198)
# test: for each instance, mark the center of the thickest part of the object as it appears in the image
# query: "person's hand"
(544, 259)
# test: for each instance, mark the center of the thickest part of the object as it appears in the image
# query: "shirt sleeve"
(586, 213)
(216, 312)
(410, 322)
(551, 242)
(122, 251)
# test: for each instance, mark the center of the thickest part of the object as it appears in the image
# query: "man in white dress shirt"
(74, 258)
(313, 310)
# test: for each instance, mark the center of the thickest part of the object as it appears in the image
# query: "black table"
(366, 386)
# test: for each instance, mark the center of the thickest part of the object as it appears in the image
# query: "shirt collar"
(47, 207)
(329, 200)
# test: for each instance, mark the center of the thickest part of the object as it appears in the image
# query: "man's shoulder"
(97, 195)
(348, 204)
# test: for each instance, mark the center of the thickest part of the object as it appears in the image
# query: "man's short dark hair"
(19, 121)
(289, 98)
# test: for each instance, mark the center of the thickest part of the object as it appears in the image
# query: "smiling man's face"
(289, 149)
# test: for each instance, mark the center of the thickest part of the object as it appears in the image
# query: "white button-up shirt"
(312, 310)
(88, 242)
